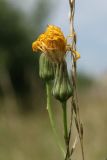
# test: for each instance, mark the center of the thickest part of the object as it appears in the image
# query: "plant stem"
(65, 120)
(66, 135)
(51, 117)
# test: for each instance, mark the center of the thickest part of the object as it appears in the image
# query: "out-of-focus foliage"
(84, 81)
(18, 65)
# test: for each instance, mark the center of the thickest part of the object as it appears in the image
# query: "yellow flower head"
(52, 42)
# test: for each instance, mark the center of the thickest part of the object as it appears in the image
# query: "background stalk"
(75, 104)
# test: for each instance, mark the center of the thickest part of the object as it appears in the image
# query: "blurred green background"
(25, 132)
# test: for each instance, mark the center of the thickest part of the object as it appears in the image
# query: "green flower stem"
(51, 117)
(64, 107)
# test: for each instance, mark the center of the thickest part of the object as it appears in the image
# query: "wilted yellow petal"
(76, 55)
(52, 42)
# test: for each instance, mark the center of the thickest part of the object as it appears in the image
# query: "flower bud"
(46, 71)
(62, 88)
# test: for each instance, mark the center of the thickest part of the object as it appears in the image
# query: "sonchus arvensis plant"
(53, 47)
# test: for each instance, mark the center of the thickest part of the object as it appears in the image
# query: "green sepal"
(62, 89)
(46, 71)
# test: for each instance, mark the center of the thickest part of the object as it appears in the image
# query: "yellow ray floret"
(76, 55)
(52, 42)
